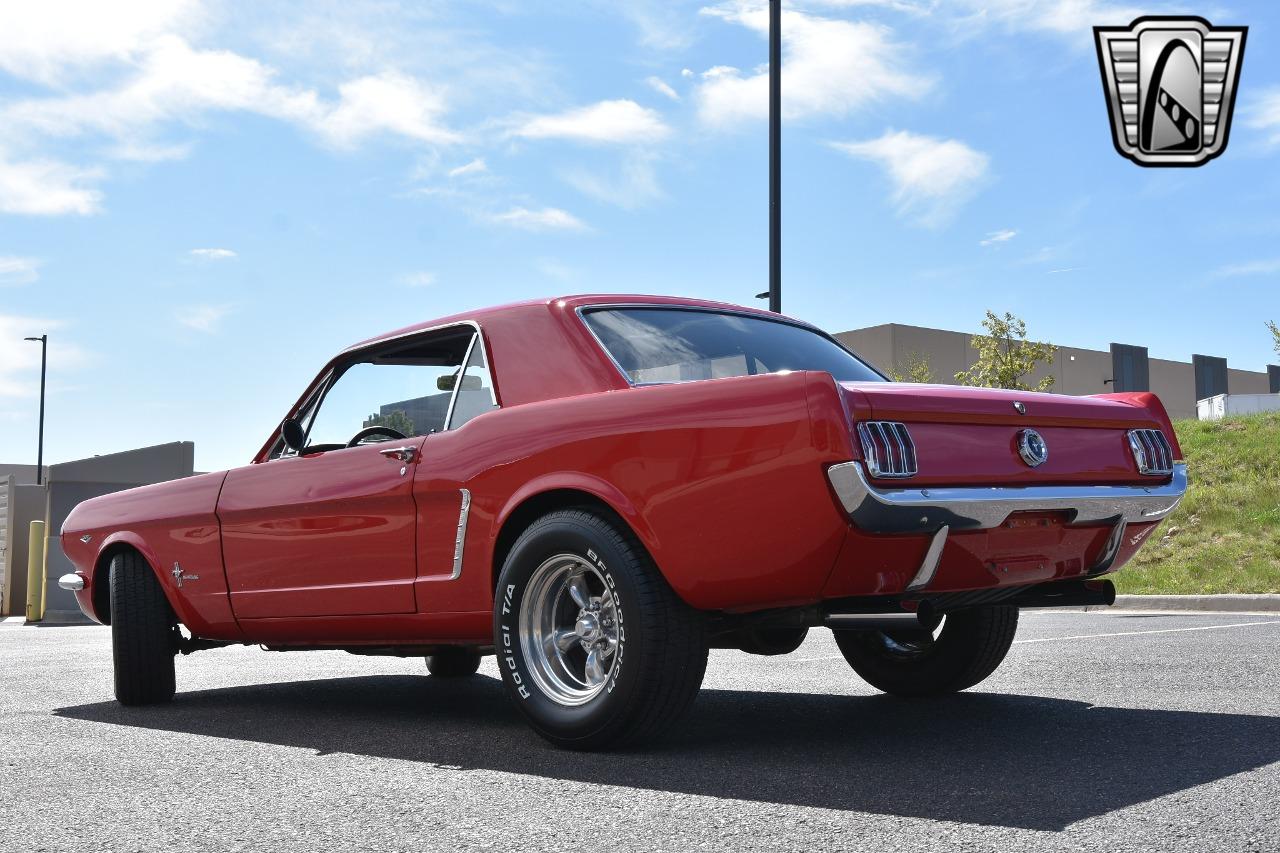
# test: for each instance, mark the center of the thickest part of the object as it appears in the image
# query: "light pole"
(775, 155)
(44, 360)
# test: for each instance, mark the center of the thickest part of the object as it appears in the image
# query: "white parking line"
(1158, 631)
(1093, 636)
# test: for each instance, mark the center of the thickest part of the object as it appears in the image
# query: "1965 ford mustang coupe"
(599, 489)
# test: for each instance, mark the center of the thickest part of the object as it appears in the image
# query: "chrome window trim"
(786, 321)
(457, 385)
(928, 509)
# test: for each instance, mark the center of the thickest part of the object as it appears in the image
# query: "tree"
(1005, 356)
(396, 419)
(916, 369)
(1275, 335)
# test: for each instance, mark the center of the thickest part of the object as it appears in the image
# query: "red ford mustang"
(600, 488)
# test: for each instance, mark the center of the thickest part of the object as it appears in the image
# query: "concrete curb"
(1262, 603)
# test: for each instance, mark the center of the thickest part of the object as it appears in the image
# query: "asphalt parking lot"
(1100, 732)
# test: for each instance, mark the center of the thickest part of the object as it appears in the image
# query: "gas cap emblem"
(1022, 410)
(1031, 448)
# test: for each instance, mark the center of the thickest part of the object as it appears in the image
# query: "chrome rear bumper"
(928, 510)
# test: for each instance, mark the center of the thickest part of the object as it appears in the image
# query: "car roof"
(566, 303)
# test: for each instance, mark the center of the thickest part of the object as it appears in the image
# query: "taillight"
(887, 449)
(1151, 451)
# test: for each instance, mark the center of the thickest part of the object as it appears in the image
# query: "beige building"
(1125, 367)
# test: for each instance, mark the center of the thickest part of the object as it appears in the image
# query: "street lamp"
(44, 360)
(775, 155)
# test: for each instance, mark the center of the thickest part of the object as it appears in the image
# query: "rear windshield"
(678, 345)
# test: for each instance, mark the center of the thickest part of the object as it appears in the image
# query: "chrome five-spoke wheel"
(569, 629)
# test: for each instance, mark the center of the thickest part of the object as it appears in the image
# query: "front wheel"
(142, 633)
(966, 649)
(595, 648)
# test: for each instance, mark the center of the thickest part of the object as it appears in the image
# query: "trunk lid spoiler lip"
(910, 403)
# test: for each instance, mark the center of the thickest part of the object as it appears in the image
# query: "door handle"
(404, 454)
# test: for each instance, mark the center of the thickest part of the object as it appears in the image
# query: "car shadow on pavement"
(981, 758)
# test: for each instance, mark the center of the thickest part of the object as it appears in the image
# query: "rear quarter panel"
(722, 481)
(168, 523)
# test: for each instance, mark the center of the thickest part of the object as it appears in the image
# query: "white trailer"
(1227, 405)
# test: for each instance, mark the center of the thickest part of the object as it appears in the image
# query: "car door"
(331, 530)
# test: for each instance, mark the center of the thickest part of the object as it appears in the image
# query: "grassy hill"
(1225, 536)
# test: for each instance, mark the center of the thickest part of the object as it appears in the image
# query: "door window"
(407, 388)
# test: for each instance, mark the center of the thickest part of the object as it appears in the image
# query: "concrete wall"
(1076, 371)
(73, 482)
(23, 503)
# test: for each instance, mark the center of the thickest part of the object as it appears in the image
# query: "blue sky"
(201, 202)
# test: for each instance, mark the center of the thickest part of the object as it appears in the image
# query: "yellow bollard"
(35, 572)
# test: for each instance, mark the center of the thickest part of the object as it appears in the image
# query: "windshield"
(678, 345)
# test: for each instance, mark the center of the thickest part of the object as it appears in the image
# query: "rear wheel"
(963, 651)
(595, 648)
(453, 662)
(142, 633)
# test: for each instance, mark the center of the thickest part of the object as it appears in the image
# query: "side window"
(410, 399)
(406, 386)
(475, 394)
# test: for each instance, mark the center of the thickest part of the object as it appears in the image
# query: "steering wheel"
(368, 432)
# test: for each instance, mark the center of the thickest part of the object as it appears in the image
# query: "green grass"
(1225, 536)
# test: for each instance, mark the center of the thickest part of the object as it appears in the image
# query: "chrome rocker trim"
(928, 510)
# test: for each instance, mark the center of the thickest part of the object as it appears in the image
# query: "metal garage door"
(6, 501)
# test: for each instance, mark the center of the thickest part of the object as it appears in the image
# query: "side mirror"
(295, 438)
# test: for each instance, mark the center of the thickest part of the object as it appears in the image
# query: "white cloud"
(831, 67)
(662, 88)
(202, 318)
(20, 359)
(16, 270)
(389, 102)
(686, 72)
(1062, 17)
(931, 177)
(1002, 236)
(635, 185)
(621, 121)
(418, 279)
(475, 167)
(47, 188)
(51, 40)
(175, 82)
(1264, 267)
(545, 219)
(212, 254)
(1265, 115)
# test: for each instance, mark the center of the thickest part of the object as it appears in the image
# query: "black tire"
(142, 633)
(659, 643)
(771, 641)
(453, 662)
(970, 646)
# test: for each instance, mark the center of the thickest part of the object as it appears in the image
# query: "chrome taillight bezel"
(887, 449)
(1151, 451)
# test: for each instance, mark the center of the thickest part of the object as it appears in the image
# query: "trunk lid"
(970, 436)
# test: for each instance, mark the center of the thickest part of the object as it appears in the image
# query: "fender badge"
(1022, 410)
(179, 577)
(85, 538)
